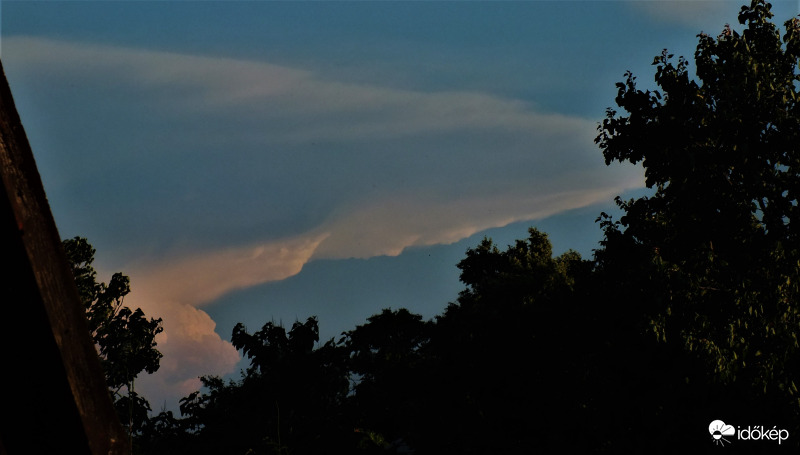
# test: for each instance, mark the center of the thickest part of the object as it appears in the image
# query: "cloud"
(267, 150)
(692, 13)
(243, 171)
(390, 226)
(173, 291)
(191, 349)
(325, 109)
(202, 277)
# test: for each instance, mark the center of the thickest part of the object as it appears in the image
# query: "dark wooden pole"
(53, 395)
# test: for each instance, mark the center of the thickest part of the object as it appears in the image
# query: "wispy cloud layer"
(392, 225)
(203, 277)
(694, 13)
(295, 167)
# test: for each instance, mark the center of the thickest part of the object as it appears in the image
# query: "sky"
(261, 161)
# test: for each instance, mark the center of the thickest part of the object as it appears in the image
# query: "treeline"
(688, 312)
(539, 354)
(496, 373)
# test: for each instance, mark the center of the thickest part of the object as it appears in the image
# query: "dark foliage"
(711, 261)
(125, 338)
(290, 400)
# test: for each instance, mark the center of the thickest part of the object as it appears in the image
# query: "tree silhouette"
(387, 356)
(125, 339)
(502, 358)
(712, 258)
(290, 399)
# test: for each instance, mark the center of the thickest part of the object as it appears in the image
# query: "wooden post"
(53, 395)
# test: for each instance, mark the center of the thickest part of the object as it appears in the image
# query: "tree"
(388, 356)
(712, 258)
(125, 339)
(290, 400)
(506, 357)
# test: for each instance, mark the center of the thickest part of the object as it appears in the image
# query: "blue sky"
(255, 161)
